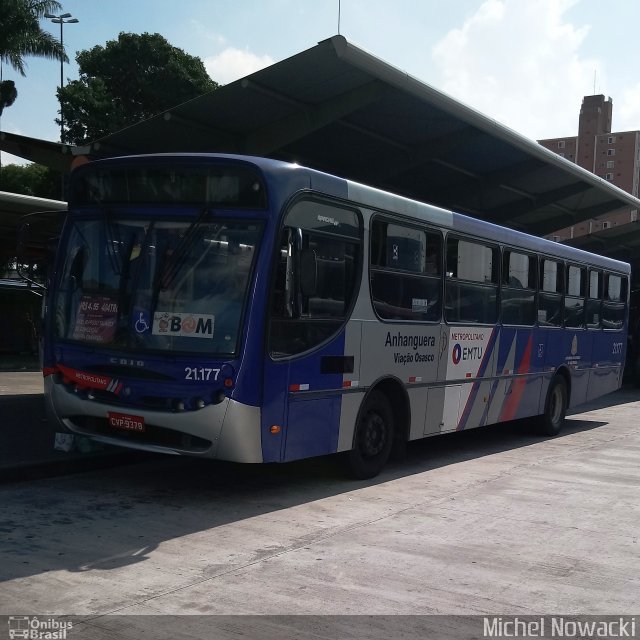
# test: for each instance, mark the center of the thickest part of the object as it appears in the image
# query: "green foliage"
(8, 94)
(129, 79)
(31, 180)
(21, 34)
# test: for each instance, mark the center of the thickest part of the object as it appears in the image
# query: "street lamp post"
(62, 19)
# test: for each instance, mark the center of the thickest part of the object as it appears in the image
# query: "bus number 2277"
(195, 373)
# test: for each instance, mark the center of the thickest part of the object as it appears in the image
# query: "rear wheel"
(550, 423)
(373, 438)
(636, 373)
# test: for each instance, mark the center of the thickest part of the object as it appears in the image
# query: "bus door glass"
(317, 270)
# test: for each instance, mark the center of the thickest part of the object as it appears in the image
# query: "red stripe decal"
(510, 408)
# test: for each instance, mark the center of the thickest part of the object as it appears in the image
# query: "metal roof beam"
(51, 154)
(549, 225)
(375, 136)
(559, 222)
(429, 151)
(489, 181)
(265, 140)
(227, 139)
(604, 207)
(532, 202)
(511, 173)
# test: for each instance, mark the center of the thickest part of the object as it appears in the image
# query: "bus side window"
(594, 299)
(518, 288)
(472, 282)
(550, 298)
(574, 298)
(406, 267)
(614, 303)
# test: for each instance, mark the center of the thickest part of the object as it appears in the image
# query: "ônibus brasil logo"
(38, 628)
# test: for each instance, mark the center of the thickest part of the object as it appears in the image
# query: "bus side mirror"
(308, 272)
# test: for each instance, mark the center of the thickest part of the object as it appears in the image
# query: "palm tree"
(21, 34)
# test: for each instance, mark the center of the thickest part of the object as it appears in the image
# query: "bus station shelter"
(337, 108)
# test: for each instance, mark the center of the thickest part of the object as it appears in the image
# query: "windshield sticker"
(96, 319)
(185, 325)
(141, 325)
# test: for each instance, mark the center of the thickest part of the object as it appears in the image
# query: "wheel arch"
(398, 398)
(564, 373)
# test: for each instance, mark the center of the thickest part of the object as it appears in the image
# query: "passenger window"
(550, 299)
(406, 267)
(518, 288)
(574, 299)
(472, 282)
(614, 303)
(318, 263)
(594, 299)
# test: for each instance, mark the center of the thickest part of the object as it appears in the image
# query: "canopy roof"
(339, 109)
(621, 242)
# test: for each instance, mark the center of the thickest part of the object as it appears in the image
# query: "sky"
(524, 63)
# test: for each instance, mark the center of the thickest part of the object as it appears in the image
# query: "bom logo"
(186, 325)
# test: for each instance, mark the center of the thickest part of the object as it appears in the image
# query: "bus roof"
(382, 200)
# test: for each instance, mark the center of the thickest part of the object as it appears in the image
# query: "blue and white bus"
(252, 310)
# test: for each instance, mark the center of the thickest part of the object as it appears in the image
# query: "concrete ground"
(491, 521)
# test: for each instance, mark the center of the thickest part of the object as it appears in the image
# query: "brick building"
(614, 157)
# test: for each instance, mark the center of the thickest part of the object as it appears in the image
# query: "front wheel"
(373, 438)
(555, 408)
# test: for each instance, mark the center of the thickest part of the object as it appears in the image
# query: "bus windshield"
(143, 284)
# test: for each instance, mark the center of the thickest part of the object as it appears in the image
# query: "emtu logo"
(456, 354)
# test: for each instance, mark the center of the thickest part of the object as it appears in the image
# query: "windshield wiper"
(111, 230)
(170, 264)
(170, 268)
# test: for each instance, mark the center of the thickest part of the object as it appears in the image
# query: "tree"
(21, 36)
(129, 79)
(30, 180)
(8, 94)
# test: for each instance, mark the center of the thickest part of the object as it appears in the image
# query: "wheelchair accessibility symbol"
(142, 323)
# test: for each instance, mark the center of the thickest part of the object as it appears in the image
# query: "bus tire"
(555, 408)
(373, 438)
(636, 374)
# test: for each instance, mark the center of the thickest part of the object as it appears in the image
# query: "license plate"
(126, 421)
